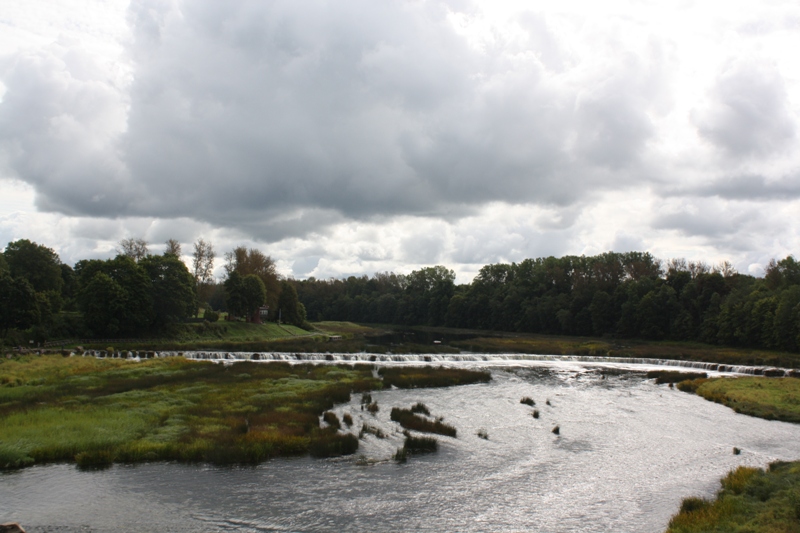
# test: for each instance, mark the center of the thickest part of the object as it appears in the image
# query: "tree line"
(625, 295)
(136, 293)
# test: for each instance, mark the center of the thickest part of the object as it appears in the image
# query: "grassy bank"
(769, 398)
(751, 500)
(98, 411)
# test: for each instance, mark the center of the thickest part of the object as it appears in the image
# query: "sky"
(352, 137)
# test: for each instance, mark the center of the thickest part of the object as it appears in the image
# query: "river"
(627, 453)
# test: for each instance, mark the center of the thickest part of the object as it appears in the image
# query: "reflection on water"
(628, 452)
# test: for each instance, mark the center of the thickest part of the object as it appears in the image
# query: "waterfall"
(231, 357)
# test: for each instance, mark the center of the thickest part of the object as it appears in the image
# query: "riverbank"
(750, 499)
(99, 411)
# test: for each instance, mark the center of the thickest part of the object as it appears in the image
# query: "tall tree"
(18, 305)
(290, 309)
(136, 249)
(172, 289)
(203, 268)
(38, 264)
(173, 248)
(251, 261)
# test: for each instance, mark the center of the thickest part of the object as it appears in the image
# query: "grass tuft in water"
(527, 401)
(410, 420)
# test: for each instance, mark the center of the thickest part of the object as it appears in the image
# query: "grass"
(750, 500)
(409, 420)
(89, 410)
(527, 401)
(98, 411)
(428, 376)
(768, 398)
(674, 376)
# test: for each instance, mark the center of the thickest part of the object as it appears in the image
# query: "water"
(627, 453)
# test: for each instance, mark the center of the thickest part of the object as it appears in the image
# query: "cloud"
(749, 112)
(279, 118)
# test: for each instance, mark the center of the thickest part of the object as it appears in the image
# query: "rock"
(11, 527)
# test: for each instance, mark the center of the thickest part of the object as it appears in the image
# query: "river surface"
(627, 453)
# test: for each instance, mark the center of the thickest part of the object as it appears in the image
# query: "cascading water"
(485, 359)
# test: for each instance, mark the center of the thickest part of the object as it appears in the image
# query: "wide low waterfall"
(486, 359)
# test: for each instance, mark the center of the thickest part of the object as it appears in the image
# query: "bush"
(210, 315)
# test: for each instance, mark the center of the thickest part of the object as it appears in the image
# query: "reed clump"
(527, 401)
(372, 430)
(410, 420)
(347, 418)
(420, 408)
(330, 418)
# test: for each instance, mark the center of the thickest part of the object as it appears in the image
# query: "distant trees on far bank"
(623, 295)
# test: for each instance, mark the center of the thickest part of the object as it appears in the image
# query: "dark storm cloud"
(278, 117)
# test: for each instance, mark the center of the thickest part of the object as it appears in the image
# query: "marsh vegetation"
(100, 411)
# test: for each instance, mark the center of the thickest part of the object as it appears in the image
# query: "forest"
(623, 295)
(615, 295)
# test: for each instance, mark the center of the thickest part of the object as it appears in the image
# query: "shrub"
(210, 315)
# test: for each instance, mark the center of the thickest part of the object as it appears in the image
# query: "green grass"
(99, 411)
(92, 411)
(769, 398)
(751, 500)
